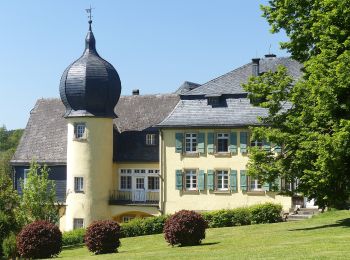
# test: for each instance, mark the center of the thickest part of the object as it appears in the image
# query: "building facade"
(133, 156)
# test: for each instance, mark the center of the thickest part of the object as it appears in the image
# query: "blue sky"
(155, 45)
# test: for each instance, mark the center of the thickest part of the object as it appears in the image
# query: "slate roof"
(45, 136)
(236, 111)
(231, 82)
(186, 87)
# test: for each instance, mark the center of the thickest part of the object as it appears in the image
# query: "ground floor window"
(153, 183)
(191, 179)
(78, 223)
(222, 179)
(255, 185)
(78, 184)
(126, 219)
(125, 182)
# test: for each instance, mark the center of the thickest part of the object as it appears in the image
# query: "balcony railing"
(134, 197)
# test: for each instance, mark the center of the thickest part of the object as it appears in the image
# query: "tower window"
(78, 223)
(150, 139)
(78, 184)
(79, 130)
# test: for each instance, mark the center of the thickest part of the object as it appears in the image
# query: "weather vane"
(89, 11)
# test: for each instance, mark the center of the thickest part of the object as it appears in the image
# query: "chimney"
(136, 92)
(270, 55)
(255, 66)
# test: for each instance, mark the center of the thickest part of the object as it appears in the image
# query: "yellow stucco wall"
(174, 200)
(91, 159)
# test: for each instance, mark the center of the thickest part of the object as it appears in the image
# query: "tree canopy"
(311, 116)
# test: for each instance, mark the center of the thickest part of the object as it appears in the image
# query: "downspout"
(161, 202)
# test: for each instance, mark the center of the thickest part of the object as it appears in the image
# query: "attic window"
(213, 101)
(150, 139)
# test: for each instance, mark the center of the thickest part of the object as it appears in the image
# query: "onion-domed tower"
(90, 89)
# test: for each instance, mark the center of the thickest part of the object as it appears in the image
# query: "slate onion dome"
(90, 86)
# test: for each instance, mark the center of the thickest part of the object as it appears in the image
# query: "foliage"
(40, 239)
(266, 213)
(143, 226)
(315, 130)
(9, 139)
(9, 247)
(74, 237)
(102, 237)
(185, 228)
(39, 196)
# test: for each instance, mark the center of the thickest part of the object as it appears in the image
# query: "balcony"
(134, 197)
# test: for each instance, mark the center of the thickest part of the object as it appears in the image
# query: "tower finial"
(89, 11)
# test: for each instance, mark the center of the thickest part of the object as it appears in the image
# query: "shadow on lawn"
(204, 244)
(340, 223)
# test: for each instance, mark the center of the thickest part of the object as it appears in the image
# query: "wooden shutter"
(178, 142)
(201, 143)
(243, 180)
(278, 149)
(266, 146)
(211, 144)
(243, 141)
(233, 142)
(233, 180)
(201, 178)
(179, 180)
(210, 180)
(278, 183)
(266, 186)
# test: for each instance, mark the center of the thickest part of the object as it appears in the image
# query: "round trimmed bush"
(102, 237)
(40, 239)
(185, 228)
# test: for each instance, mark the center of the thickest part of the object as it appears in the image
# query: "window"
(214, 101)
(78, 223)
(191, 179)
(222, 142)
(256, 143)
(254, 185)
(153, 183)
(150, 139)
(190, 143)
(126, 219)
(79, 131)
(25, 176)
(140, 183)
(222, 180)
(125, 182)
(78, 184)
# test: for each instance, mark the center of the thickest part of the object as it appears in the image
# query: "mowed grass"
(326, 236)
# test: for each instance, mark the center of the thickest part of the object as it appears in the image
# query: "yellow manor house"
(121, 157)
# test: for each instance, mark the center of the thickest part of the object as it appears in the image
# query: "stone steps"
(302, 214)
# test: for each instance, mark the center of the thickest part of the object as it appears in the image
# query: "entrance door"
(139, 194)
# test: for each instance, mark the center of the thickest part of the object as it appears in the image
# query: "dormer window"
(79, 131)
(213, 101)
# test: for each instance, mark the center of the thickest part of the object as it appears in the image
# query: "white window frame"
(191, 142)
(127, 178)
(157, 184)
(126, 219)
(78, 184)
(191, 178)
(25, 176)
(254, 185)
(256, 143)
(150, 139)
(222, 175)
(78, 223)
(80, 131)
(222, 136)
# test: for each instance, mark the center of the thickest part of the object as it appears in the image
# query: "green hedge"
(74, 237)
(262, 213)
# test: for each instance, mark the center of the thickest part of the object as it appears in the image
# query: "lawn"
(323, 237)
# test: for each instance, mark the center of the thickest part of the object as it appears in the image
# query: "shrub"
(102, 237)
(39, 239)
(266, 213)
(74, 237)
(241, 217)
(185, 228)
(9, 247)
(143, 226)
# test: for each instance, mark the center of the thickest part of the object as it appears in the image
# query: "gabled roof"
(186, 87)
(45, 136)
(231, 82)
(236, 112)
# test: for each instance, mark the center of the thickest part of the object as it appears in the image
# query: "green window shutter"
(178, 142)
(278, 149)
(266, 186)
(243, 179)
(233, 142)
(233, 180)
(179, 179)
(278, 183)
(210, 145)
(201, 143)
(243, 136)
(210, 180)
(266, 146)
(201, 178)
